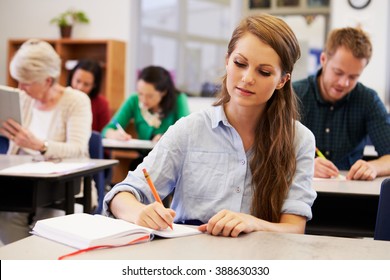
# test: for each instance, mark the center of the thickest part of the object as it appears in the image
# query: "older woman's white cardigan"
(70, 127)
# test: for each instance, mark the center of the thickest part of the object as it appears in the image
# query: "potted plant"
(67, 19)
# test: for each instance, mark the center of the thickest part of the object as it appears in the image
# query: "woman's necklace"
(153, 119)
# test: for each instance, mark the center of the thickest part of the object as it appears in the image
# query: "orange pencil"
(153, 188)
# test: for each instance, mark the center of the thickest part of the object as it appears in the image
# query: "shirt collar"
(218, 116)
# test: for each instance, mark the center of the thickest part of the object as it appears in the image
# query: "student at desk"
(156, 106)
(56, 122)
(86, 76)
(341, 112)
(244, 164)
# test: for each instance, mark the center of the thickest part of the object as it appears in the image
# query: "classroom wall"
(117, 20)
(374, 19)
(27, 19)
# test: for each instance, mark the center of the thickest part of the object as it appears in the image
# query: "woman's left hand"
(229, 223)
(20, 135)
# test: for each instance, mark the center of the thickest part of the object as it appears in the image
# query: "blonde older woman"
(56, 120)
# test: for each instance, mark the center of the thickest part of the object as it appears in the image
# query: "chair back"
(96, 151)
(4, 143)
(382, 226)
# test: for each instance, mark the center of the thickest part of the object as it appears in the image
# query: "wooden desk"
(26, 192)
(345, 208)
(256, 245)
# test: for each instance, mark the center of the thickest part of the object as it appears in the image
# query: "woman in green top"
(157, 106)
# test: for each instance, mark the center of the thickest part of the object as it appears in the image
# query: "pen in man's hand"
(153, 188)
(321, 155)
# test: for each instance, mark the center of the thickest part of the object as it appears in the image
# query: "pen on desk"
(321, 155)
(153, 188)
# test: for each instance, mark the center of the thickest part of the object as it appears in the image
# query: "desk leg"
(87, 194)
(69, 196)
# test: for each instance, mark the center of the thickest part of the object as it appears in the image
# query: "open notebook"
(83, 230)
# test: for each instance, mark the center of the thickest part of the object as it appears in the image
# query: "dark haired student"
(154, 108)
(86, 76)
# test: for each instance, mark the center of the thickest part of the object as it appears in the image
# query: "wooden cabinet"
(110, 53)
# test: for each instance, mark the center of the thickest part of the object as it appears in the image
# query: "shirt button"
(242, 162)
(331, 108)
(327, 130)
(327, 153)
(238, 190)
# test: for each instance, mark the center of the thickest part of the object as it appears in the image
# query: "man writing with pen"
(341, 112)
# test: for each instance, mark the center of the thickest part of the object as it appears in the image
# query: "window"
(287, 7)
(187, 37)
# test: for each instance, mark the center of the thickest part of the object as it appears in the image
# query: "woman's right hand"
(155, 216)
(126, 207)
(20, 136)
(118, 135)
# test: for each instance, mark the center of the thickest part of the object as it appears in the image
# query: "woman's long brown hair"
(274, 162)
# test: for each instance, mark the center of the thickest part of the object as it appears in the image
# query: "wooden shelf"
(110, 53)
